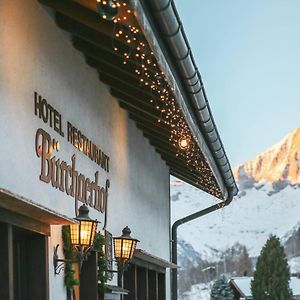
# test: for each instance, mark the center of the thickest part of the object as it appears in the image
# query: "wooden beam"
(131, 88)
(81, 14)
(166, 147)
(24, 222)
(158, 138)
(171, 160)
(139, 104)
(193, 183)
(185, 179)
(184, 172)
(149, 124)
(106, 66)
(20, 205)
(152, 131)
(130, 107)
(103, 55)
(97, 41)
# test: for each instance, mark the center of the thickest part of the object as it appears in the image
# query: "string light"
(107, 9)
(184, 142)
(152, 78)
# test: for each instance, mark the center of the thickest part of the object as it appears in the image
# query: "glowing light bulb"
(84, 234)
(184, 143)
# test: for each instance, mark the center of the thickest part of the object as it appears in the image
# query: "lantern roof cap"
(126, 234)
(83, 214)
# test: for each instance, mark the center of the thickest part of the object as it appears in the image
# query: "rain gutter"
(196, 215)
(164, 31)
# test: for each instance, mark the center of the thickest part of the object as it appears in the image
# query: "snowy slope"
(294, 264)
(199, 291)
(268, 202)
(249, 219)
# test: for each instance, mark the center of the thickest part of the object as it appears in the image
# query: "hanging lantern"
(124, 246)
(82, 234)
(82, 237)
(107, 9)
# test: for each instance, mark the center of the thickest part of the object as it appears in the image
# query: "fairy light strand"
(152, 78)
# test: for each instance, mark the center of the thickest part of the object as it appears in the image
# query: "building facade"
(67, 140)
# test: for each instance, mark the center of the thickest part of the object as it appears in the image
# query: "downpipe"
(196, 215)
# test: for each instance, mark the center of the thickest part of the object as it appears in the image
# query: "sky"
(248, 53)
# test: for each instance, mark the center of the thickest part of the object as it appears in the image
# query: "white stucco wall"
(35, 55)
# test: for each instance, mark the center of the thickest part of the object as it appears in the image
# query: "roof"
(165, 97)
(295, 286)
(184, 69)
(243, 285)
(145, 257)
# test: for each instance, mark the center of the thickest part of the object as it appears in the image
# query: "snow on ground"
(198, 292)
(294, 264)
(248, 220)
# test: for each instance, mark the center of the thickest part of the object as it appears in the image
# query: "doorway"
(23, 264)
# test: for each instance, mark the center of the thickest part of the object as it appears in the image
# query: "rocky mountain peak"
(279, 164)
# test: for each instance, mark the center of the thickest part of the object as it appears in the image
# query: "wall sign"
(63, 174)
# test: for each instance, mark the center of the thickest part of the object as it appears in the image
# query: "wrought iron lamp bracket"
(122, 266)
(59, 263)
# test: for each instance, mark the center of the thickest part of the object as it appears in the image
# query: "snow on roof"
(243, 284)
(295, 286)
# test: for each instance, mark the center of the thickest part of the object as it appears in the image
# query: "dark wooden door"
(24, 272)
(29, 260)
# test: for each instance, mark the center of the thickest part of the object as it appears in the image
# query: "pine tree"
(221, 290)
(272, 275)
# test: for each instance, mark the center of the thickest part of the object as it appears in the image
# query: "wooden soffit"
(23, 212)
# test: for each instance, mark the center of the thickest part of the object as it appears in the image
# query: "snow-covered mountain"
(249, 219)
(268, 202)
(280, 163)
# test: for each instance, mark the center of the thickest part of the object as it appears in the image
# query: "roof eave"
(205, 133)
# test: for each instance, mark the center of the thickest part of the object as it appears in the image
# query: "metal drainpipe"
(174, 292)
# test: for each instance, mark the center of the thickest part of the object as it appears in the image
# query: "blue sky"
(248, 53)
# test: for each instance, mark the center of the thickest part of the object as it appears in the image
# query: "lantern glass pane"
(83, 233)
(86, 233)
(94, 230)
(74, 234)
(132, 249)
(118, 248)
(126, 249)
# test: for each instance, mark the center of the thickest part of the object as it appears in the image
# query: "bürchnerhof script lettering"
(80, 141)
(63, 175)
